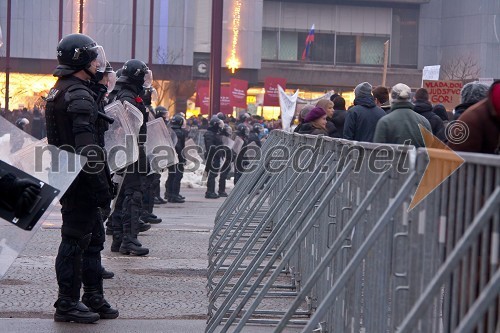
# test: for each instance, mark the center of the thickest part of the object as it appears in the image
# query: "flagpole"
(215, 57)
(386, 61)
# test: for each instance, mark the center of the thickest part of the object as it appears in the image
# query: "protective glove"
(19, 194)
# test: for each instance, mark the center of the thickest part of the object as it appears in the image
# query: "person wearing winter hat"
(470, 94)
(362, 119)
(423, 106)
(327, 105)
(400, 126)
(483, 123)
(302, 114)
(317, 120)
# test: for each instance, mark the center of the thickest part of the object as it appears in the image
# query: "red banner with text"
(271, 97)
(239, 93)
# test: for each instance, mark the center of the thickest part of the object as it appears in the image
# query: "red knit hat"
(314, 114)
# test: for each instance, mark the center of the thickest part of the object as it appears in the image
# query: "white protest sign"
(287, 105)
(430, 73)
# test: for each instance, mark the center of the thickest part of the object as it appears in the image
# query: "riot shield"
(134, 117)
(50, 165)
(228, 142)
(121, 137)
(37, 209)
(160, 149)
(238, 144)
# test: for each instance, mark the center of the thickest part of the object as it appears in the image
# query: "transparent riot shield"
(121, 137)
(228, 142)
(160, 149)
(55, 167)
(134, 117)
(238, 144)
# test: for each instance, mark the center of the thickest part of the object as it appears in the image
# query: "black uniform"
(71, 117)
(240, 162)
(176, 172)
(213, 155)
(126, 217)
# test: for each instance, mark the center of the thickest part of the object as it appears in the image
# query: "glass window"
(288, 46)
(372, 50)
(346, 49)
(322, 49)
(404, 48)
(269, 45)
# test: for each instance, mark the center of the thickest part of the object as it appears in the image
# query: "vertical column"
(80, 18)
(7, 54)
(61, 15)
(151, 23)
(134, 26)
(215, 56)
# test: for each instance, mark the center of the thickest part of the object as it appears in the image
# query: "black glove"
(19, 194)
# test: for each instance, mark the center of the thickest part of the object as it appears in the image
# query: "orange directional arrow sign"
(443, 162)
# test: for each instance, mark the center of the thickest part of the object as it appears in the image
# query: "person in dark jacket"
(213, 154)
(470, 94)
(483, 122)
(441, 112)
(316, 119)
(302, 114)
(381, 95)
(361, 120)
(176, 171)
(339, 114)
(37, 128)
(423, 107)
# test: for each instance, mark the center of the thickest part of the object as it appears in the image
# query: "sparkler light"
(233, 63)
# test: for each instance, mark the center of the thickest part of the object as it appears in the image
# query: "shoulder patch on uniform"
(52, 94)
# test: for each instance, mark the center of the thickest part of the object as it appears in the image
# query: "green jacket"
(401, 126)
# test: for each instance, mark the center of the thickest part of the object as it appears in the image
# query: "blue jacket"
(361, 120)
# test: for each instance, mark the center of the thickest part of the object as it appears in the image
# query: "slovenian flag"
(309, 41)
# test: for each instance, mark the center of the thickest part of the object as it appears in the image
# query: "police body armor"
(58, 121)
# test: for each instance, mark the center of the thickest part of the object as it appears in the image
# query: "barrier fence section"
(319, 236)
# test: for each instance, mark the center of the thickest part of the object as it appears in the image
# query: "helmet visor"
(148, 80)
(154, 95)
(101, 58)
(111, 81)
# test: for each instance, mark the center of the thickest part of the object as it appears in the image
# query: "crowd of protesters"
(395, 115)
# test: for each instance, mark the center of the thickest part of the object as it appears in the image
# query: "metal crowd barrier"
(331, 235)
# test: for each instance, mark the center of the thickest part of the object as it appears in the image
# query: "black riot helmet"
(242, 130)
(216, 123)
(135, 70)
(221, 116)
(257, 128)
(227, 130)
(75, 52)
(177, 120)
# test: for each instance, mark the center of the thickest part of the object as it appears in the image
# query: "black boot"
(93, 298)
(117, 241)
(144, 226)
(107, 274)
(131, 245)
(68, 310)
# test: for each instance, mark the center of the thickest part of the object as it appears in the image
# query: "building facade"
(266, 37)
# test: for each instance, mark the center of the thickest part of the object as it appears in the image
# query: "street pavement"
(162, 292)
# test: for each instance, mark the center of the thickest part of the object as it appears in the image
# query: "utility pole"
(7, 54)
(215, 56)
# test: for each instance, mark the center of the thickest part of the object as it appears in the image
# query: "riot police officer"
(213, 154)
(102, 82)
(254, 135)
(126, 226)
(176, 171)
(226, 131)
(240, 162)
(71, 113)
